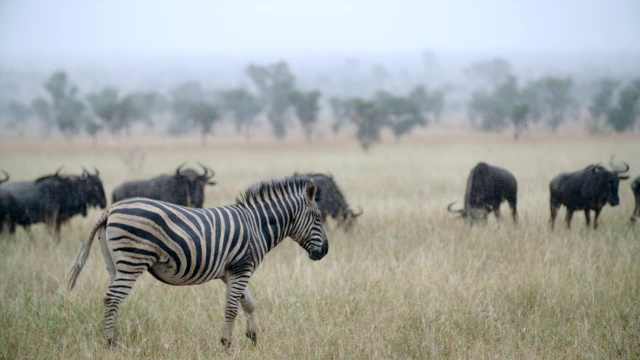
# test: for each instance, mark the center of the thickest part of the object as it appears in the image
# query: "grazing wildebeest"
(53, 199)
(331, 202)
(487, 187)
(587, 189)
(185, 187)
(635, 187)
(183, 246)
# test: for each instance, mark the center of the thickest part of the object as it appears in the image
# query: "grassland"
(410, 281)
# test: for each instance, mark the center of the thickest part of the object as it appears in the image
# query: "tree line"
(498, 102)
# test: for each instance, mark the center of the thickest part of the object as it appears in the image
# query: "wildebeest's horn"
(617, 169)
(84, 172)
(622, 171)
(97, 172)
(6, 177)
(454, 211)
(358, 213)
(179, 168)
(57, 173)
(206, 171)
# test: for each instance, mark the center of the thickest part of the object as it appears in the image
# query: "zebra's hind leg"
(124, 272)
(248, 303)
(118, 290)
(236, 286)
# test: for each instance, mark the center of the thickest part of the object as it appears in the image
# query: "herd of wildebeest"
(54, 199)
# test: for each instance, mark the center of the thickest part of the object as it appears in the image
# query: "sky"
(82, 29)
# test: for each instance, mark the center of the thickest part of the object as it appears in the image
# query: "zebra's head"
(308, 231)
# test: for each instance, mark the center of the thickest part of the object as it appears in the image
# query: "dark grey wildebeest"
(635, 187)
(331, 201)
(185, 187)
(52, 199)
(588, 189)
(487, 187)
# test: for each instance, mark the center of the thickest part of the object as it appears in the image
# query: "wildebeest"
(487, 187)
(331, 202)
(587, 189)
(185, 187)
(635, 187)
(53, 199)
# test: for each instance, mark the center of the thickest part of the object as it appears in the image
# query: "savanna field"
(410, 281)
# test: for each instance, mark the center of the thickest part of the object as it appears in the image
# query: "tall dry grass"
(410, 281)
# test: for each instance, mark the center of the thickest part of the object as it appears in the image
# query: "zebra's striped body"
(186, 246)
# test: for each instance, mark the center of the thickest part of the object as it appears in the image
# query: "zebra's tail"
(86, 248)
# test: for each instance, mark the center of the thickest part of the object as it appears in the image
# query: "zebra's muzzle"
(319, 254)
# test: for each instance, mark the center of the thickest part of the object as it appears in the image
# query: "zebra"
(187, 246)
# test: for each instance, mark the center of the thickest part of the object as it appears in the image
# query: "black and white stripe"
(186, 246)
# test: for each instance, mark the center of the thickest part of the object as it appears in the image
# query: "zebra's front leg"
(236, 286)
(248, 303)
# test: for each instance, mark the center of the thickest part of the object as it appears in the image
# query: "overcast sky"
(84, 28)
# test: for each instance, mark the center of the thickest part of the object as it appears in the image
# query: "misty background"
(386, 63)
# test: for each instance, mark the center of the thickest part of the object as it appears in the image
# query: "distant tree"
(557, 100)
(105, 105)
(493, 110)
(68, 112)
(307, 108)
(118, 114)
(339, 112)
(183, 98)
(275, 83)
(202, 117)
(602, 103)
(243, 106)
(365, 115)
(519, 119)
(401, 114)
(428, 102)
(490, 73)
(624, 116)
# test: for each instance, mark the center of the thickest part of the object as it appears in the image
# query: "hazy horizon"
(83, 32)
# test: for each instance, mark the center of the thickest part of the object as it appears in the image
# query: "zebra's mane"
(259, 191)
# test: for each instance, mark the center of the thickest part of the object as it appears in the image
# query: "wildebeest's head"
(610, 180)
(91, 187)
(6, 177)
(195, 183)
(348, 217)
(472, 215)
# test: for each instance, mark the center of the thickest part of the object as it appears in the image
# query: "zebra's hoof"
(253, 337)
(225, 342)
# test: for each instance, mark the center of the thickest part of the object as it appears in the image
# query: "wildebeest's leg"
(568, 217)
(248, 303)
(595, 218)
(236, 286)
(636, 214)
(496, 212)
(587, 217)
(554, 212)
(514, 210)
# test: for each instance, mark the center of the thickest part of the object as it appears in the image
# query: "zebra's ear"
(310, 191)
